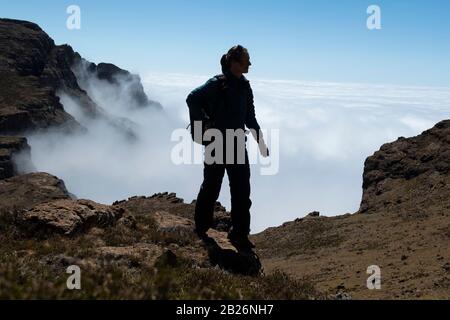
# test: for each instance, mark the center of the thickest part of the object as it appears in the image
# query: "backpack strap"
(222, 86)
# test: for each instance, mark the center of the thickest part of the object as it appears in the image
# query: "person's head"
(236, 60)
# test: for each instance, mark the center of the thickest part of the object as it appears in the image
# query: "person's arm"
(252, 123)
(250, 120)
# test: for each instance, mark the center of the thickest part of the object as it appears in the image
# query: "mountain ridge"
(34, 70)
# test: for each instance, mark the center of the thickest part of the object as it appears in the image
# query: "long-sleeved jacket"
(228, 107)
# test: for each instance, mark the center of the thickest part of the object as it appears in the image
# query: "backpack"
(209, 121)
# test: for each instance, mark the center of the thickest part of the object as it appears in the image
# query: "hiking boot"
(204, 237)
(201, 234)
(240, 242)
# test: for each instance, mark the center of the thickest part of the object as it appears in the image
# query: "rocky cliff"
(116, 78)
(410, 176)
(34, 70)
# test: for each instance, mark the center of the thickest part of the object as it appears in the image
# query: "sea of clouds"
(326, 131)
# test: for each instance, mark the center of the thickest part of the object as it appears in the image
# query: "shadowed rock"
(14, 155)
(220, 252)
(236, 261)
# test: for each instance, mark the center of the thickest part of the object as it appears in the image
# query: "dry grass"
(33, 268)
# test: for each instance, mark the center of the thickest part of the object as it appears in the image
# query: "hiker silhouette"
(226, 102)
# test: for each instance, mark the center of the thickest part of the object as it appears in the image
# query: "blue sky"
(303, 40)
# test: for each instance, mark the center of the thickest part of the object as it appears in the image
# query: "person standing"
(226, 102)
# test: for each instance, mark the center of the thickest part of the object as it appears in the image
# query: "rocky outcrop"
(27, 190)
(29, 79)
(66, 216)
(128, 84)
(34, 71)
(402, 226)
(163, 201)
(41, 207)
(174, 221)
(410, 175)
(14, 154)
(220, 252)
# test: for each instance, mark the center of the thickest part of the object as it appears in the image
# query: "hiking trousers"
(239, 179)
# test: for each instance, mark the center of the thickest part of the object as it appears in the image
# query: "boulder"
(27, 190)
(66, 216)
(410, 175)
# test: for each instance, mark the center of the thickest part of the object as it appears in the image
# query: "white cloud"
(326, 132)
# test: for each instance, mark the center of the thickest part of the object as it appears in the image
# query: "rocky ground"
(334, 253)
(137, 248)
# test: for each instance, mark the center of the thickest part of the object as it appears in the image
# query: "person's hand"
(261, 143)
(263, 149)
